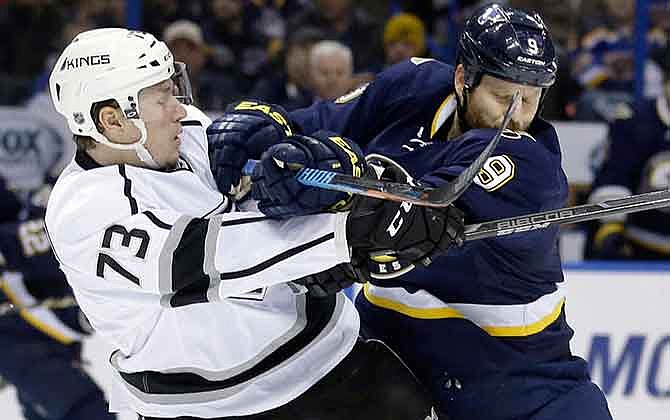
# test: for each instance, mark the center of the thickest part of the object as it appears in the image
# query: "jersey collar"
(446, 110)
(85, 161)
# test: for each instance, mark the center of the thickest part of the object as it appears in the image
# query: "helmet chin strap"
(461, 107)
(141, 151)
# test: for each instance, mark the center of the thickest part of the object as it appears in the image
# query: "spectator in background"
(404, 38)
(102, 12)
(211, 91)
(331, 69)
(239, 46)
(30, 30)
(603, 63)
(350, 25)
(559, 15)
(638, 161)
(157, 14)
(290, 86)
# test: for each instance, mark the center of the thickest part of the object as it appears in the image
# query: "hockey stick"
(501, 227)
(423, 196)
(543, 220)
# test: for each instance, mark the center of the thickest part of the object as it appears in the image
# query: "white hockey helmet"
(113, 64)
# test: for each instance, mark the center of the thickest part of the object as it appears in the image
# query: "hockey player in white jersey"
(199, 300)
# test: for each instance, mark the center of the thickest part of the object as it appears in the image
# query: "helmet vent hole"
(142, 56)
(153, 43)
(58, 91)
(155, 63)
(142, 67)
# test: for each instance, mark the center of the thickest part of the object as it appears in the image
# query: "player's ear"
(110, 118)
(459, 79)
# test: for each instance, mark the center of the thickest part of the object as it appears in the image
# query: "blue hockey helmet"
(509, 44)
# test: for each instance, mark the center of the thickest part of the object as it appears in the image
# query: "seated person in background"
(638, 161)
(348, 22)
(404, 38)
(331, 68)
(211, 90)
(603, 63)
(289, 87)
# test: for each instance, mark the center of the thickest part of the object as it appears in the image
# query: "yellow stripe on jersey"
(497, 320)
(422, 313)
(529, 329)
(442, 114)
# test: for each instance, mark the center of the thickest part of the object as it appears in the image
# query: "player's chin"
(519, 126)
(170, 162)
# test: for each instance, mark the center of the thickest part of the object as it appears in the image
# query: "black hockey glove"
(274, 185)
(400, 235)
(331, 281)
(243, 132)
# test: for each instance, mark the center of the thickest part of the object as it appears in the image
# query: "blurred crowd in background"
(292, 52)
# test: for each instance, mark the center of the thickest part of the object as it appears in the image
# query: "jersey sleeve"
(191, 259)
(364, 112)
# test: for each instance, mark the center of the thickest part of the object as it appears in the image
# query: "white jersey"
(196, 298)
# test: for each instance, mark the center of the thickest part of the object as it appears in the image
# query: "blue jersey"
(493, 307)
(638, 161)
(29, 271)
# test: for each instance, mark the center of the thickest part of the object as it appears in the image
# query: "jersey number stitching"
(496, 172)
(105, 259)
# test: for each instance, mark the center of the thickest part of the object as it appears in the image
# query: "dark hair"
(305, 37)
(86, 142)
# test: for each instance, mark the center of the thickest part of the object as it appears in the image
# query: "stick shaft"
(543, 220)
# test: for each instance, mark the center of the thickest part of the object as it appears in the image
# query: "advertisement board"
(620, 314)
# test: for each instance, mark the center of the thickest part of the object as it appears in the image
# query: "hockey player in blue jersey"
(637, 161)
(483, 328)
(40, 347)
